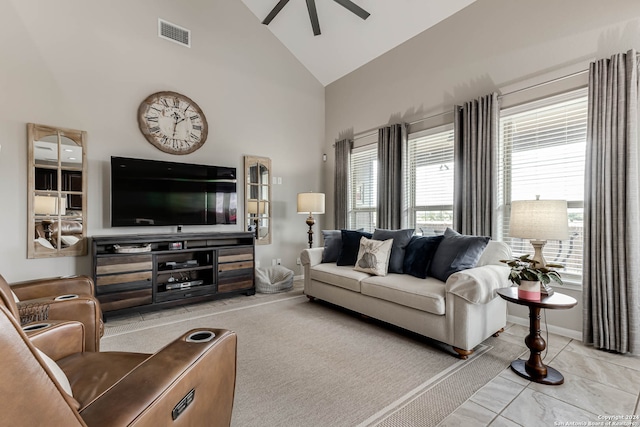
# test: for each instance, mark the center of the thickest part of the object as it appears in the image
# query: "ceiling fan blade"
(275, 11)
(348, 4)
(313, 16)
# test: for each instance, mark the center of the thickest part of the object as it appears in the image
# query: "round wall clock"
(172, 122)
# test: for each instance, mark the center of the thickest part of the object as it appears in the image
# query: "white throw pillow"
(373, 256)
(493, 253)
(44, 242)
(69, 240)
(57, 373)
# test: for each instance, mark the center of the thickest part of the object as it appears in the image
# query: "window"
(429, 180)
(542, 153)
(363, 188)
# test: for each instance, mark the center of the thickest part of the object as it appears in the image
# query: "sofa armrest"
(84, 309)
(208, 368)
(58, 339)
(478, 285)
(53, 286)
(311, 257)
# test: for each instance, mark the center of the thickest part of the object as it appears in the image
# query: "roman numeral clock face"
(172, 122)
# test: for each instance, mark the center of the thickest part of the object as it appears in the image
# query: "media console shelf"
(143, 272)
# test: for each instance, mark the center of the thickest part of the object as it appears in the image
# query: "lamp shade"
(310, 203)
(539, 220)
(255, 207)
(48, 205)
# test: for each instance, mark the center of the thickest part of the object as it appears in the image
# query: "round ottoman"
(270, 280)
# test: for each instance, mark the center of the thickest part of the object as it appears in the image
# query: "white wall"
(87, 65)
(491, 45)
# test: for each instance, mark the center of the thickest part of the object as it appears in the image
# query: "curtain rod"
(557, 79)
(373, 131)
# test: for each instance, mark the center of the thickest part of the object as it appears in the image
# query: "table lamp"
(539, 221)
(256, 208)
(310, 203)
(48, 205)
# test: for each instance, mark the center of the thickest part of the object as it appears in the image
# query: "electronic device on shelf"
(182, 285)
(175, 245)
(172, 265)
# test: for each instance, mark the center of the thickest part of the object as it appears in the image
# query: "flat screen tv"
(153, 193)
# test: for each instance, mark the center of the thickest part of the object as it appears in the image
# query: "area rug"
(310, 364)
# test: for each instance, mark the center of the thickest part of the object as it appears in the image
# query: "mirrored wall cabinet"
(57, 193)
(257, 172)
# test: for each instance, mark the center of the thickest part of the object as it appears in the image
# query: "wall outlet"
(257, 264)
(273, 262)
(279, 261)
(298, 262)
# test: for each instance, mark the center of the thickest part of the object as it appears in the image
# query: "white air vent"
(169, 31)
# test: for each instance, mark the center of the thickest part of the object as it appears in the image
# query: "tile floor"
(598, 385)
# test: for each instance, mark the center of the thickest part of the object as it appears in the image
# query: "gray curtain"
(341, 183)
(611, 270)
(391, 140)
(476, 141)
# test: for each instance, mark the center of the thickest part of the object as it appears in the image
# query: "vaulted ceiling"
(346, 41)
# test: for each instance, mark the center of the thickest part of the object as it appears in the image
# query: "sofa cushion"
(350, 246)
(493, 253)
(456, 252)
(421, 294)
(419, 254)
(332, 244)
(342, 276)
(373, 256)
(401, 239)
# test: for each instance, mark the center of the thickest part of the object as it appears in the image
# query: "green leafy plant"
(525, 268)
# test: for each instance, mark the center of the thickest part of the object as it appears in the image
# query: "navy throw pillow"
(401, 239)
(350, 246)
(456, 252)
(419, 254)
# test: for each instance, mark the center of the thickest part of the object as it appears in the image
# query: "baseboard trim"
(300, 277)
(565, 332)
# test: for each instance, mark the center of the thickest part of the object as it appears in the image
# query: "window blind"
(542, 153)
(363, 187)
(429, 180)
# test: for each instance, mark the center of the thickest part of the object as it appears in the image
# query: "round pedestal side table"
(533, 369)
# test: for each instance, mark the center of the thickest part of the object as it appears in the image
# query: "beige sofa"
(462, 312)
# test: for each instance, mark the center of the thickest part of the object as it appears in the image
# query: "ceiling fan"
(313, 14)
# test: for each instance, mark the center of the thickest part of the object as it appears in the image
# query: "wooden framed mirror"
(257, 173)
(57, 193)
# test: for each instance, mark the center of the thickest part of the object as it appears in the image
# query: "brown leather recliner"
(52, 230)
(190, 382)
(61, 298)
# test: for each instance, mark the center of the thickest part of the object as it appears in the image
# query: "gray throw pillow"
(456, 252)
(401, 239)
(332, 245)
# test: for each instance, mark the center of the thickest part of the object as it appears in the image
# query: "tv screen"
(150, 192)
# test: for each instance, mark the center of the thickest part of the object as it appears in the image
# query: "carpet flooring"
(310, 364)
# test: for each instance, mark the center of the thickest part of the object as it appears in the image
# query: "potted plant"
(528, 275)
